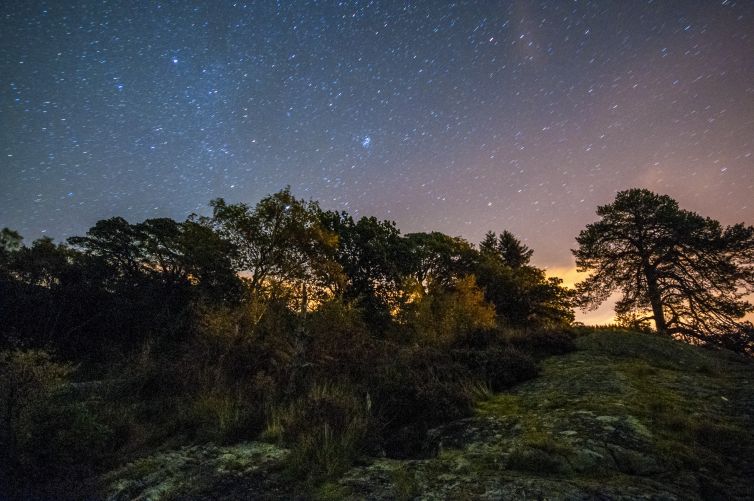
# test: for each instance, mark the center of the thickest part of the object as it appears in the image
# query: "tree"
(162, 253)
(373, 257)
(524, 297)
(683, 271)
(522, 294)
(438, 260)
(280, 244)
(116, 243)
(506, 248)
(10, 240)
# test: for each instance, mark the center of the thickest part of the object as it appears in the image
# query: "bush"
(443, 317)
(326, 430)
(47, 438)
(338, 342)
(65, 438)
(414, 390)
(225, 415)
(544, 342)
(28, 381)
(499, 368)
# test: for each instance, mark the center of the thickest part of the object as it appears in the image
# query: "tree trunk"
(656, 300)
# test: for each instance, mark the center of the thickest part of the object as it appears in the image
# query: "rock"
(591, 461)
(198, 471)
(634, 462)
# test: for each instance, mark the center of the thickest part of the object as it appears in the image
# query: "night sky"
(459, 117)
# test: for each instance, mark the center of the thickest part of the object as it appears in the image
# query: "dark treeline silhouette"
(106, 293)
(284, 322)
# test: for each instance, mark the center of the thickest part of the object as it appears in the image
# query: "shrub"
(225, 415)
(325, 429)
(544, 342)
(65, 438)
(413, 390)
(445, 316)
(499, 368)
(338, 342)
(47, 438)
(28, 381)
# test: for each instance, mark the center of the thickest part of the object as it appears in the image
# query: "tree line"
(122, 282)
(685, 273)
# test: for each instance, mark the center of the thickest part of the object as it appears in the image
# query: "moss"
(534, 461)
(405, 485)
(500, 405)
(652, 349)
(331, 491)
(546, 443)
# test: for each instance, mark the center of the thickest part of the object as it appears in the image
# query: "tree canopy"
(687, 273)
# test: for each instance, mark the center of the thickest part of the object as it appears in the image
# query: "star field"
(460, 117)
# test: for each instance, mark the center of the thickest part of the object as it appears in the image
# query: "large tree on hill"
(685, 272)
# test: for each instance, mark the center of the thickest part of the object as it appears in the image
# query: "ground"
(626, 416)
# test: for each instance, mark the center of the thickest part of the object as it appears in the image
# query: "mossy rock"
(626, 416)
(200, 471)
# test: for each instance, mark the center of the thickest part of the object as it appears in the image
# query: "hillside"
(625, 416)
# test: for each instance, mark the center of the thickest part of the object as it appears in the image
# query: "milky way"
(460, 117)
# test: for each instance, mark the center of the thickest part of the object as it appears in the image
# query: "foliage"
(524, 296)
(10, 240)
(43, 432)
(506, 248)
(413, 389)
(683, 271)
(279, 244)
(444, 316)
(28, 380)
(438, 260)
(326, 429)
(372, 255)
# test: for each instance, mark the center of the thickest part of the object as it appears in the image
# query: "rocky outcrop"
(626, 416)
(243, 471)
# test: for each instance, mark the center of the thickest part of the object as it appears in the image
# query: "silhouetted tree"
(524, 297)
(438, 260)
(115, 242)
(522, 294)
(375, 260)
(280, 244)
(686, 272)
(507, 248)
(10, 240)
